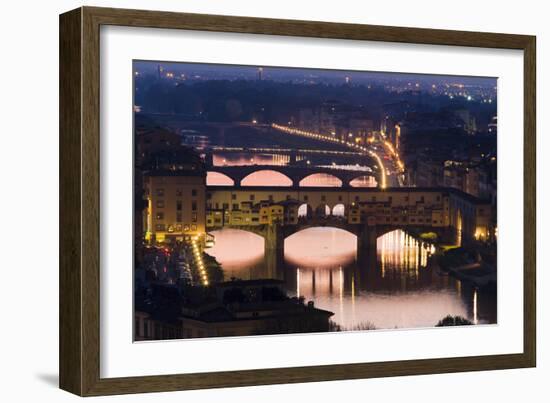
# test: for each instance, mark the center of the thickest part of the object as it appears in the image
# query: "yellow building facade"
(175, 207)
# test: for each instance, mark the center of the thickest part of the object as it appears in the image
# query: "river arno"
(398, 288)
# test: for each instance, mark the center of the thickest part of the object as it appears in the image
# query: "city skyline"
(278, 73)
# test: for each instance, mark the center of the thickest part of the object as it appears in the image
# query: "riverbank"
(470, 265)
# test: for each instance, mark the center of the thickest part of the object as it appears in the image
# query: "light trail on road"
(323, 137)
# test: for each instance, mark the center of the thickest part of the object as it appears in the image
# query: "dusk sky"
(222, 71)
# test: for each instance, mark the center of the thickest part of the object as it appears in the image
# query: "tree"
(453, 321)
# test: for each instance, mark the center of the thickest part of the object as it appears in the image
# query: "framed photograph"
(251, 201)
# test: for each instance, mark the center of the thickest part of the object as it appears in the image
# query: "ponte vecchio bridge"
(275, 213)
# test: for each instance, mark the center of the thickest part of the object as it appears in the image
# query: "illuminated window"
(194, 217)
(160, 227)
(193, 227)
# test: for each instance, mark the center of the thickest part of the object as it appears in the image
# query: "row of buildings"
(477, 177)
(341, 120)
(400, 119)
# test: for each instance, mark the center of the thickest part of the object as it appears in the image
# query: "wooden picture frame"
(80, 184)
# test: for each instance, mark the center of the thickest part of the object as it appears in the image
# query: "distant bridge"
(221, 127)
(295, 173)
(283, 151)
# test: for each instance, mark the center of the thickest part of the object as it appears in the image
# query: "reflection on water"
(320, 248)
(321, 180)
(263, 177)
(395, 289)
(364, 182)
(218, 179)
(240, 159)
(266, 178)
(398, 251)
(239, 252)
(273, 178)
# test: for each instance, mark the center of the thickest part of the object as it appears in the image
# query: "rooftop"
(282, 189)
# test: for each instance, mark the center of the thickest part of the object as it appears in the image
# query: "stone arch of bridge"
(413, 231)
(305, 211)
(339, 210)
(280, 173)
(214, 178)
(323, 210)
(363, 178)
(303, 179)
(338, 224)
